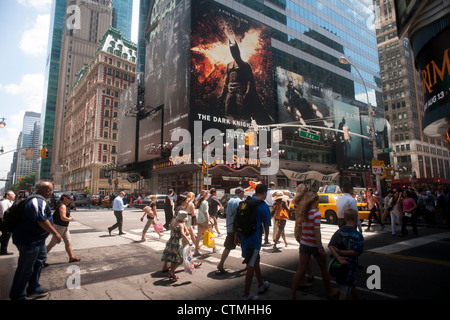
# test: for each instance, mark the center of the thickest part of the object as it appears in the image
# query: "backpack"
(13, 216)
(245, 219)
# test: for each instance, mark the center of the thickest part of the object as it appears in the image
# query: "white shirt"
(118, 204)
(344, 202)
(5, 204)
(269, 199)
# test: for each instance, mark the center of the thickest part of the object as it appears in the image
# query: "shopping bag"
(158, 227)
(209, 239)
(187, 259)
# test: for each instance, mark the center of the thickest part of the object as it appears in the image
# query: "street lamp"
(344, 60)
(2, 123)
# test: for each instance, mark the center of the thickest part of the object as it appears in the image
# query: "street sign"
(207, 180)
(377, 163)
(309, 135)
(378, 170)
(385, 150)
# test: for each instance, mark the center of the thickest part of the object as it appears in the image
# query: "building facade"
(290, 50)
(91, 120)
(28, 145)
(417, 158)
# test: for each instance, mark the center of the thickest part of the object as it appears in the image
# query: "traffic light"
(41, 153)
(20, 179)
(45, 155)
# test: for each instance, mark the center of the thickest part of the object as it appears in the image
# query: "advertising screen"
(231, 68)
(126, 150)
(166, 75)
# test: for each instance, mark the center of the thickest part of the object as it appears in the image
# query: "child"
(173, 252)
(311, 244)
(345, 246)
(150, 212)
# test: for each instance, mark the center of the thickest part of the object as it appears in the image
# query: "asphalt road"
(391, 268)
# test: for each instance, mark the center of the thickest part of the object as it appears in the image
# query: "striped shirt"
(308, 228)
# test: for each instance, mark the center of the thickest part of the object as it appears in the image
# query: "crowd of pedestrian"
(186, 212)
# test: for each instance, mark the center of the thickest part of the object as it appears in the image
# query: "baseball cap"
(239, 190)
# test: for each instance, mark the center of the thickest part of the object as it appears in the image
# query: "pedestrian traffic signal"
(45, 156)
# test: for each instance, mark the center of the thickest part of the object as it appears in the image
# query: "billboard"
(166, 76)
(304, 100)
(231, 68)
(127, 125)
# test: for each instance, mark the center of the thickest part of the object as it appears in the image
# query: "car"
(79, 199)
(106, 202)
(328, 209)
(146, 201)
(95, 200)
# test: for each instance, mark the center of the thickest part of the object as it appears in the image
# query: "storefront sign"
(310, 175)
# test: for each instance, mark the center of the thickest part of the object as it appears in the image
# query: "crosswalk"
(158, 244)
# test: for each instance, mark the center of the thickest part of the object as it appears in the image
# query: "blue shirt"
(232, 206)
(262, 220)
(28, 232)
(118, 204)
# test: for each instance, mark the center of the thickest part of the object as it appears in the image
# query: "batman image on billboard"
(231, 68)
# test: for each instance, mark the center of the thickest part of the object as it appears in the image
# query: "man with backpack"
(252, 216)
(29, 236)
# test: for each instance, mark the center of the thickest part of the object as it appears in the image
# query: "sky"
(24, 30)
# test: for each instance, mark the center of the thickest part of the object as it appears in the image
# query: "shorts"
(63, 232)
(229, 241)
(314, 251)
(204, 225)
(251, 257)
(280, 223)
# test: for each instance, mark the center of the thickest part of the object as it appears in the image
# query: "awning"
(309, 175)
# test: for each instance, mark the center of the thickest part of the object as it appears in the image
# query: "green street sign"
(385, 150)
(309, 135)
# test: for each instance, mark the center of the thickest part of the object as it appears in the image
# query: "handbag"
(188, 263)
(158, 227)
(209, 239)
(337, 270)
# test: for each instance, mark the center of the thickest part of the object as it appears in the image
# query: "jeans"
(28, 272)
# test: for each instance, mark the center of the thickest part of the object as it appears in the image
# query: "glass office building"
(296, 47)
(58, 18)
(122, 16)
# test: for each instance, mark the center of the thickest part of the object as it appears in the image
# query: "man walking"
(344, 202)
(5, 204)
(118, 208)
(251, 245)
(29, 237)
(229, 244)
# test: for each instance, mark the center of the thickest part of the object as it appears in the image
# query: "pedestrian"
(5, 204)
(229, 244)
(118, 208)
(173, 253)
(311, 244)
(386, 200)
(346, 201)
(180, 204)
(251, 245)
(346, 245)
(213, 207)
(192, 216)
(373, 205)
(168, 208)
(202, 220)
(151, 213)
(270, 201)
(61, 220)
(29, 238)
(409, 213)
(395, 209)
(88, 201)
(441, 205)
(281, 214)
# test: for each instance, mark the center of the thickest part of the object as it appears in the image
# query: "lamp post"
(344, 60)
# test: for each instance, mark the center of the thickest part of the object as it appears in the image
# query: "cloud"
(42, 5)
(34, 41)
(31, 87)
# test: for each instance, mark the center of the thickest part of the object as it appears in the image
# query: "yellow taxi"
(328, 209)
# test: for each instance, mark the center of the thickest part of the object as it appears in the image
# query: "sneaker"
(37, 295)
(264, 287)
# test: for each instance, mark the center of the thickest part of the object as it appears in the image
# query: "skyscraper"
(123, 16)
(27, 156)
(291, 51)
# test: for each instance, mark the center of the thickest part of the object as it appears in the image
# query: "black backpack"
(13, 216)
(245, 219)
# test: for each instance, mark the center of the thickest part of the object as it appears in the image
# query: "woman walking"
(61, 219)
(151, 213)
(173, 253)
(409, 213)
(396, 211)
(202, 220)
(311, 244)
